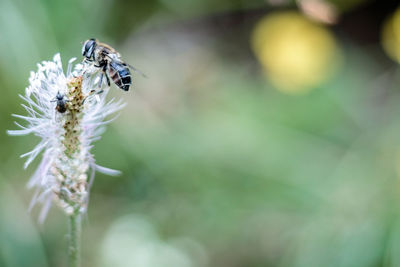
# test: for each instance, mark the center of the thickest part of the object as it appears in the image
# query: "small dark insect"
(61, 102)
(109, 61)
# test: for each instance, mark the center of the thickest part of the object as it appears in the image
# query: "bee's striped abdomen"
(120, 74)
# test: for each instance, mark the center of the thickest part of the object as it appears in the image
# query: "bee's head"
(88, 48)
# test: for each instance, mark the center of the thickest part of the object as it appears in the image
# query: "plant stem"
(74, 240)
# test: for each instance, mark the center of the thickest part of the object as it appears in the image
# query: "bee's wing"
(135, 69)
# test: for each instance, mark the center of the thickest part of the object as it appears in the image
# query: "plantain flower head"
(67, 167)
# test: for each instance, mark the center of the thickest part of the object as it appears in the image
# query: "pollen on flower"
(67, 168)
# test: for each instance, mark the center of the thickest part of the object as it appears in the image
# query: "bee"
(109, 61)
(61, 102)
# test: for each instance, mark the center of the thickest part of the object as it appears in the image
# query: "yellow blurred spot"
(391, 36)
(297, 54)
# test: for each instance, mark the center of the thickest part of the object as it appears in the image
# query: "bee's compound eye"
(88, 48)
(84, 48)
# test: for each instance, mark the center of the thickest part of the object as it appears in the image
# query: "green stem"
(74, 240)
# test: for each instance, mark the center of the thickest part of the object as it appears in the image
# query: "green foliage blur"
(219, 167)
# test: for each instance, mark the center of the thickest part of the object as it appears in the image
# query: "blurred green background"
(267, 133)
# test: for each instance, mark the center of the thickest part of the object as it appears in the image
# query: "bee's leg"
(108, 80)
(101, 80)
(103, 73)
(92, 92)
(83, 101)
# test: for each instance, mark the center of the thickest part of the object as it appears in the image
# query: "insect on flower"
(109, 61)
(61, 102)
(67, 168)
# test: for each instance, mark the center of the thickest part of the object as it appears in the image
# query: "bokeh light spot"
(296, 53)
(391, 36)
